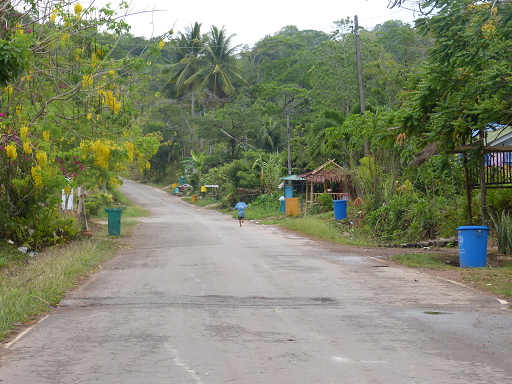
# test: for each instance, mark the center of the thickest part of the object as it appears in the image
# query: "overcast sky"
(253, 20)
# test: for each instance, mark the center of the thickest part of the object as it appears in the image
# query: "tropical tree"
(219, 72)
(465, 87)
(184, 63)
(66, 118)
(270, 171)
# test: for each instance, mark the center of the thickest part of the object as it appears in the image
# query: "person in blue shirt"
(241, 210)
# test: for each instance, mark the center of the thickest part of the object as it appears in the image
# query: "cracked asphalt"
(194, 298)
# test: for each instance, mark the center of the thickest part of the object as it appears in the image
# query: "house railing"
(497, 170)
(334, 195)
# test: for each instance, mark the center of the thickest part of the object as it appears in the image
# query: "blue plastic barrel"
(182, 180)
(340, 209)
(473, 246)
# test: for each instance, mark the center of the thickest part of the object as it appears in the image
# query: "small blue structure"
(288, 185)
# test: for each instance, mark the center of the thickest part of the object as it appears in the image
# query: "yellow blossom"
(87, 80)
(110, 100)
(161, 44)
(36, 176)
(27, 148)
(24, 132)
(89, 116)
(54, 15)
(41, 158)
(64, 37)
(114, 181)
(11, 151)
(111, 72)
(101, 152)
(78, 9)
(46, 136)
(19, 29)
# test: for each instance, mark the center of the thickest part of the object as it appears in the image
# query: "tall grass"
(319, 227)
(503, 226)
(34, 287)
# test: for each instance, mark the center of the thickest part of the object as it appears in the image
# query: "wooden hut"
(336, 180)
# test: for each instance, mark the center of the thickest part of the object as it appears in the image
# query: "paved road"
(194, 298)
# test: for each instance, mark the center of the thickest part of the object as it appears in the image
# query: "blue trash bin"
(182, 180)
(473, 246)
(340, 209)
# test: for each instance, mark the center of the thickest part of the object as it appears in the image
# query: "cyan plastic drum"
(340, 209)
(182, 180)
(473, 246)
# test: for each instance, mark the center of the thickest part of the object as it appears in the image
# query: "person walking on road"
(241, 210)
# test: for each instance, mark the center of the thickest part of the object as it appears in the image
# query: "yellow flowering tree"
(66, 113)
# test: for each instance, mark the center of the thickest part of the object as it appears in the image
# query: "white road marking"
(504, 303)
(200, 282)
(179, 363)
(23, 333)
(348, 360)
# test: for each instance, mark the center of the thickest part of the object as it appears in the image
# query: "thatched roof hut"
(329, 172)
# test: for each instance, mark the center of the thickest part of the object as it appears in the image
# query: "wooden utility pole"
(483, 187)
(360, 77)
(289, 137)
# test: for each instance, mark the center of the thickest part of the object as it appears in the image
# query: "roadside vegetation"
(32, 286)
(32, 283)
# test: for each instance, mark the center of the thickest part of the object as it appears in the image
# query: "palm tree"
(219, 72)
(184, 64)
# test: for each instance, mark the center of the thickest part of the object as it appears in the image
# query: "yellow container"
(203, 188)
(292, 206)
(174, 185)
(194, 198)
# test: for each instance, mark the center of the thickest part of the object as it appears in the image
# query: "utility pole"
(360, 76)
(289, 137)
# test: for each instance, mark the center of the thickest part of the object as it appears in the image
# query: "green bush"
(500, 199)
(314, 210)
(405, 217)
(45, 228)
(269, 202)
(95, 204)
(325, 202)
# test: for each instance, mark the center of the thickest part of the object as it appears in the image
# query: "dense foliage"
(77, 106)
(66, 115)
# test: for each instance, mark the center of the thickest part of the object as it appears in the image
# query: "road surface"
(194, 298)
